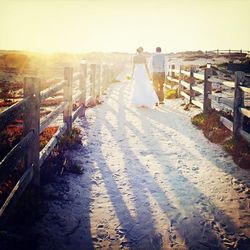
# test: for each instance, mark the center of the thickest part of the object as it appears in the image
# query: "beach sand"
(151, 181)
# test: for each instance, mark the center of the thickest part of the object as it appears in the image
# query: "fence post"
(82, 86)
(104, 77)
(172, 73)
(180, 78)
(110, 74)
(67, 93)
(98, 81)
(31, 121)
(238, 102)
(191, 81)
(207, 91)
(93, 80)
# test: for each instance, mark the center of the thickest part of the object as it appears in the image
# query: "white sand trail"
(151, 181)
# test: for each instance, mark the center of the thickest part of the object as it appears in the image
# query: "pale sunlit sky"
(115, 25)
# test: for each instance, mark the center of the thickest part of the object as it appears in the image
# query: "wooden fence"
(29, 107)
(229, 51)
(187, 87)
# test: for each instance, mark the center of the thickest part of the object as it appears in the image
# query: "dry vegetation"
(14, 66)
(9, 137)
(12, 135)
(216, 132)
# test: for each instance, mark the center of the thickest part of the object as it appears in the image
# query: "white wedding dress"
(143, 93)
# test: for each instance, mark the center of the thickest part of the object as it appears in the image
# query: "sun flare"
(78, 26)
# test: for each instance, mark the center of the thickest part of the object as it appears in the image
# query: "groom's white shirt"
(157, 63)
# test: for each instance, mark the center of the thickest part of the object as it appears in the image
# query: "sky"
(115, 25)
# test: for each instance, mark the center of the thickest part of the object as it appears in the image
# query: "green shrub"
(170, 94)
(199, 120)
(229, 145)
(71, 139)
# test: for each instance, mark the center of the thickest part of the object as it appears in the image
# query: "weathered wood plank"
(169, 78)
(198, 89)
(47, 120)
(51, 90)
(207, 90)
(229, 84)
(199, 76)
(175, 80)
(172, 70)
(172, 79)
(222, 100)
(98, 80)
(67, 94)
(185, 95)
(227, 102)
(245, 89)
(83, 87)
(180, 87)
(168, 86)
(198, 103)
(215, 80)
(245, 112)
(184, 72)
(93, 80)
(227, 123)
(31, 122)
(185, 84)
(238, 103)
(77, 113)
(15, 194)
(10, 161)
(245, 135)
(44, 153)
(11, 113)
(107, 75)
(191, 83)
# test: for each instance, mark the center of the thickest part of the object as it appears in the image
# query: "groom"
(158, 72)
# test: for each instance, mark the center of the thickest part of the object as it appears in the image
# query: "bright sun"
(122, 26)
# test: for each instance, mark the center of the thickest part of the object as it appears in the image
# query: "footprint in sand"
(156, 175)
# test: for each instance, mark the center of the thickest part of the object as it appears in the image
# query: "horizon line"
(121, 52)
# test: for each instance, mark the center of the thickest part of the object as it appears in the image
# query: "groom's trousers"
(158, 82)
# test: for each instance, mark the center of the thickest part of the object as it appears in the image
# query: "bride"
(143, 93)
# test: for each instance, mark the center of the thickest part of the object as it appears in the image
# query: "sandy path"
(151, 181)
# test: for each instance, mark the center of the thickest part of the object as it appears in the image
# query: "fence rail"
(229, 51)
(97, 81)
(12, 113)
(188, 88)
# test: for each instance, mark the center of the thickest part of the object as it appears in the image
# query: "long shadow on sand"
(194, 229)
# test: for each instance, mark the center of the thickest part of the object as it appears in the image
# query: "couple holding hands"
(143, 93)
